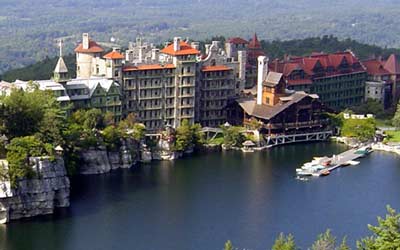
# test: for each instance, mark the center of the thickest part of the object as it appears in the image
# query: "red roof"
(315, 66)
(93, 48)
(392, 65)
(149, 67)
(237, 40)
(215, 68)
(254, 43)
(114, 55)
(185, 49)
(375, 67)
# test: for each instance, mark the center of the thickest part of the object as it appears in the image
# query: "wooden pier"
(340, 160)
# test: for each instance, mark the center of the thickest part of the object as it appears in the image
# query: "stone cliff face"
(37, 196)
(100, 160)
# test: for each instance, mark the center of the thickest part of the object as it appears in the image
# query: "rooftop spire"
(61, 70)
(61, 47)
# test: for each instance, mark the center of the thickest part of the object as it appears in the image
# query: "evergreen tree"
(228, 245)
(284, 243)
(386, 235)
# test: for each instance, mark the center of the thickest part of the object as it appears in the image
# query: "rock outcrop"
(40, 195)
(100, 160)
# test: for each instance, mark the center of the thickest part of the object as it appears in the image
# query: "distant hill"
(42, 70)
(274, 49)
(29, 31)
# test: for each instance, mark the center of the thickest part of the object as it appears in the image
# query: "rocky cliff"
(37, 196)
(100, 160)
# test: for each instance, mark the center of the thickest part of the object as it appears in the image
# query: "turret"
(60, 73)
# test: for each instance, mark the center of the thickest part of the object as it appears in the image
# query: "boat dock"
(324, 165)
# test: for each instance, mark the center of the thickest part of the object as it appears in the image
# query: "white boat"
(353, 163)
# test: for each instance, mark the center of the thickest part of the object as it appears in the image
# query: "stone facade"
(40, 195)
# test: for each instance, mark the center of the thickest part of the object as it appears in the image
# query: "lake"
(200, 202)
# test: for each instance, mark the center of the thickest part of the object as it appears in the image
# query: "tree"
(112, 137)
(284, 243)
(386, 235)
(396, 118)
(370, 106)
(362, 129)
(138, 131)
(233, 136)
(228, 245)
(184, 136)
(94, 119)
(128, 122)
(18, 152)
(327, 241)
(109, 119)
(23, 111)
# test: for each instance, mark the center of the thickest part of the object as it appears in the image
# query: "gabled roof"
(61, 67)
(273, 79)
(237, 40)
(215, 68)
(93, 48)
(185, 49)
(114, 55)
(375, 67)
(392, 65)
(148, 67)
(250, 106)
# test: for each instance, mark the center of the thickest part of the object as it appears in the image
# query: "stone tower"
(88, 58)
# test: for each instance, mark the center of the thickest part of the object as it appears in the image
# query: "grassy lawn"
(393, 136)
(218, 140)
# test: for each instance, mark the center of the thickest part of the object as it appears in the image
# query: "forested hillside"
(274, 49)
(29, 31)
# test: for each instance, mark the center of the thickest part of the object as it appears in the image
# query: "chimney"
(177, 43)
(262, 75)
(85, 40)
(195, 45)
(207, 48)
(154, 54)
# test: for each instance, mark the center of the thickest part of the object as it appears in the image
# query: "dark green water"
(200, 202)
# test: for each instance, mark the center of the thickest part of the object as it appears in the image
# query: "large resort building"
(163, 87)
(338, 78)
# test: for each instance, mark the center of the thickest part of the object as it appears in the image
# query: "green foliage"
(396, 118)
(392, 136)
(138, 132)
(386, 235)
(233, 136)
(371, 106)
(284, 243)
(18, 152)
(336, 120)
(327, 241)
(188, 136)
(228, 245)
(23, 112)
(94, 119)
(112, 137)
(362, 129)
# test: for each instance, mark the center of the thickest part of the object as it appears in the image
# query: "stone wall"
(37, 196)
(100, 160)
